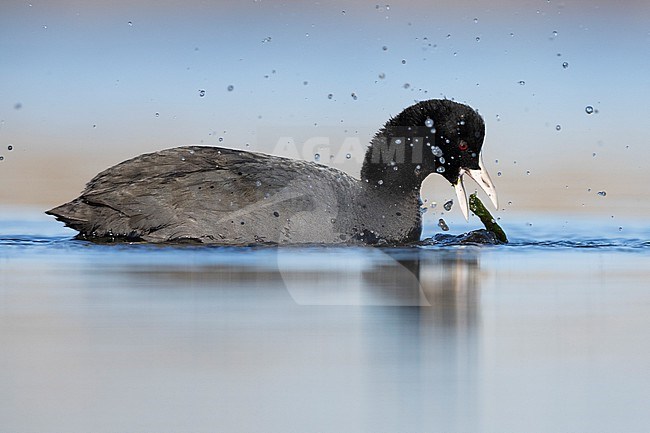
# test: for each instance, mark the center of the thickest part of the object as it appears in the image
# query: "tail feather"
(95, 220)
(72, 214)
(78, 215)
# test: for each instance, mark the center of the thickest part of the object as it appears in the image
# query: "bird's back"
(215, 195)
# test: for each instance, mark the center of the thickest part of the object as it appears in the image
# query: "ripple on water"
(26, 241)
(594, 244)
(476, 237)
(38, 235)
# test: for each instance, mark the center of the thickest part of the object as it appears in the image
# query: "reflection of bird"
(223, 196)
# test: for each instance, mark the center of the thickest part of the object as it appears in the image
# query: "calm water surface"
(547, 334)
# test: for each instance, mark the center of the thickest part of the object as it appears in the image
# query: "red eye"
(462, 145)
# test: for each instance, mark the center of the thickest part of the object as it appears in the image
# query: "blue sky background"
(84, 85)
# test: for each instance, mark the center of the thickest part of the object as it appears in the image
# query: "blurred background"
(547, 335)
(563, 87)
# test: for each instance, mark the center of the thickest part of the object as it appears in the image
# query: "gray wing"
(208, 194)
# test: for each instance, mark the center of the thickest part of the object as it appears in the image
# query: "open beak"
(482, 178)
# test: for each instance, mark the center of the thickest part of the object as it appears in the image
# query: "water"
(548, 333)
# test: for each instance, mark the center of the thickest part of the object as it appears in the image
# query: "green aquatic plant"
(476, 206)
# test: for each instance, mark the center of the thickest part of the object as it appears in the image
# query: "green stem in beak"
(488, 221)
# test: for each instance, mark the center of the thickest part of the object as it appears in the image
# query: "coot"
(223, 196)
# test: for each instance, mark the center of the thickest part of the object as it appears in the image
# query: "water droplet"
(395, 168)
(478, 39)
(602, 193)
(354, 96)
(442, 160)
(348, 156)
(436, 151)
(565, 65)
(266, 39)
(558, 127)
(2, 158)
(385, 48)
(317, 157)
(258, 183)
(304, 83)
(220, 139)
(499, 173)
(398, 141)
(448, 35)
(522, 83)
(593, 155)
(428, 123)
(406, 85)
(527, 172)
(498, 118)
(231, 88)
(440, 169)
(382, 76)
(201, 93)
(403, 61)
(443, 225)
(130, 23)
(276, 213)
(380, 182)
(589, 109)
(475, 20)
(330, 96)
(554, 33)
(157, 114)
(10, 147)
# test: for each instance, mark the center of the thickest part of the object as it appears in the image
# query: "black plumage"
(232, 197)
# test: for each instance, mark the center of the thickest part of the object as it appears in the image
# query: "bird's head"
(435, 136)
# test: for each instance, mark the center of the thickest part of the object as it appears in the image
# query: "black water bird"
(223, 196)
